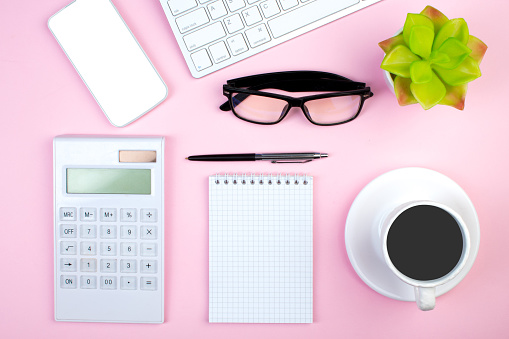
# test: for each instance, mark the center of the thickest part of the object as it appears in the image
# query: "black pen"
(273, 157)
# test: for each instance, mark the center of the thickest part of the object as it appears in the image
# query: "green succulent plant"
(432, 60)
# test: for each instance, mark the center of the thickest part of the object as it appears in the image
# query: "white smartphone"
(109, 59)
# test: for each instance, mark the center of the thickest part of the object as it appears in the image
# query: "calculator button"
(128, 248)
(88, 231)
(148, 215)
(88, 214)
(67, 231)
(88, 248)
(109, 283)
(128, 232)
(128, 283)
(68, 247)
(88, 265)
(128, 214)
(68, 281)
(67, 213)
(109, 214)
(109, 265)
(148, 266)
(148, 249)
(148, 232)
(148, 284)
(108, 248)
(68, 265)
(88, 281)
(127, 266)
(108, 232)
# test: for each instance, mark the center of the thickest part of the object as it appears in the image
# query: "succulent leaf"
(478, 48)
(456, 51)
(438, 57)
(455, 28)
(430, 93)
(437, 17)
(467, 71)
(415, 20)
(420, 40)
(420, 72)
(402, 90)
(398, 61)
(390, 43)
(455, 96)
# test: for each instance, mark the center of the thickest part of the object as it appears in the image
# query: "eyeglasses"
(257, 98)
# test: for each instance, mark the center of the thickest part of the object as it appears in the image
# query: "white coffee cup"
(424, 288)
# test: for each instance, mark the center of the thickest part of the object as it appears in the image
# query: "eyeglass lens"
(258, 108)
(264, 109)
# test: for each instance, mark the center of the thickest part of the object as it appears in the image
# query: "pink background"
(42, 96)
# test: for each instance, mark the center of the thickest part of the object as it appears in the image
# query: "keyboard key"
(252, 15)
(109, 283)
(68, 281)
(128, 248)
(67, 231)
(148, 232)
(180, 6)
(217, 10)
(148, 266)
(287, 4)
(88, 265)
(88, 214)
(257, 36)
(128, 266)
(108, 248)
(201, 60)
(235, 5)
(68, 247)
(148, 284)
(148, 249)
(109, 265)
(88, 281)
(233, 23)
(109, 214)
(128, 232)
(237, 44)
(219, 52)
(203, 37)
(305, 15)
(67, 213)
(190, 21)
(88, 231)
(88, 248)
(68, 265)
(270, 8)
(127, 283)
(128, 214)
(108, 232)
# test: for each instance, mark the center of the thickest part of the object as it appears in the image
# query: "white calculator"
(109, 229)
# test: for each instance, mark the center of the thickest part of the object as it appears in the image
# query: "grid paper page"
(260, 249)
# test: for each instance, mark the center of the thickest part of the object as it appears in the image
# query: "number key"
(128, 248)
(108, 232)
(128, 232)
(128, 266)
(88, 231)
(108, 265)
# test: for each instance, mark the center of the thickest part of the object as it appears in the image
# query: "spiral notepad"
(261, 248)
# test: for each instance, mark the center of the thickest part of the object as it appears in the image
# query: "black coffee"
(425, 242)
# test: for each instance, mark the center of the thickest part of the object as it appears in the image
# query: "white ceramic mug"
(424, 289)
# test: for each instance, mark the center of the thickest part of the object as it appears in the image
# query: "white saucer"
(385, 193)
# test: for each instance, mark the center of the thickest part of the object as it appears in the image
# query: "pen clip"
(291, 161)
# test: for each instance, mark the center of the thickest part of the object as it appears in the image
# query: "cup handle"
(425, 297)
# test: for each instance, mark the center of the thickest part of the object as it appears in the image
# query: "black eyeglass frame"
(295, 81)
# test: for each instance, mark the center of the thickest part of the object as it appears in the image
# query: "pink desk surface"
(42, 96)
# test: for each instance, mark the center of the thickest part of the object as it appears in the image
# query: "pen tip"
(187, 158)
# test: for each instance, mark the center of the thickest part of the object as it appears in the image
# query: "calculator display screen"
(108, 181)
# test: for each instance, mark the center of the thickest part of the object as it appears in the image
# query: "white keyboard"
(213, 34)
